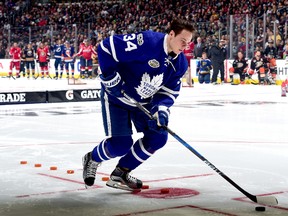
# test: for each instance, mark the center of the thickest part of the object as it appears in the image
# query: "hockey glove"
(161, 119)
(113, 84)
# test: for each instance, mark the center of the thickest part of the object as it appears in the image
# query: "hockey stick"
(269, 200)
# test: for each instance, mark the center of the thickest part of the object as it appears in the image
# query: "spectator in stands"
(2, 51)
(259, 38)
(199, 48)
(270, 51)
(108, 18)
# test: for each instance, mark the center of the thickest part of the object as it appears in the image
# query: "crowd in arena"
(97, 20)
(25, 22)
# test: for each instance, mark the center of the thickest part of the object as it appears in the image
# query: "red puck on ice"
(70, 171)
(260, 208)
(105, 178)
(145, 187)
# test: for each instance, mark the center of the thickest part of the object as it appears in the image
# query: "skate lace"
(92, 168)
(131, 179)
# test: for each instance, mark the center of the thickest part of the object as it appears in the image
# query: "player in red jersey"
(43, 58)
(188, 52)
(86, 51)
(15, 53)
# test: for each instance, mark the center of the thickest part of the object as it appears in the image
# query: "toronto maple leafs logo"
(148, 86)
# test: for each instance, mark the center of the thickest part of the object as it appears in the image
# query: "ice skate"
(89, 169)
(121, 179)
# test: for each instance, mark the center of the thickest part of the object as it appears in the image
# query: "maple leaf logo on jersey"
(149, 86)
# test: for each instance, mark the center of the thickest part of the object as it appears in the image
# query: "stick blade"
(269, 200)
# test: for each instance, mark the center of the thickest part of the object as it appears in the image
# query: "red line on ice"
(61, 178)
(167, 179)
(181, 177)
(55, 192)
(177, 207)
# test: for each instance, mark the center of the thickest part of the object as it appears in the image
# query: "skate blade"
(120, 186)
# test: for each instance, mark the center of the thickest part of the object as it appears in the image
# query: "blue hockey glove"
(113, 84)
(161, 118)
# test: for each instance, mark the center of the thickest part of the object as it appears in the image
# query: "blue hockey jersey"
(68, 53)
(58, 50)
(204, 66)
(142, 60)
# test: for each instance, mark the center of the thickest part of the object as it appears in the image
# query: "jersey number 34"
(130, 46)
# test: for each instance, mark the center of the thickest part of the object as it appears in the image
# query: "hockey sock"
(136, 156)
(100, 153)
(112, 147)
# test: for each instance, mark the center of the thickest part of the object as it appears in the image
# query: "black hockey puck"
(260, 208)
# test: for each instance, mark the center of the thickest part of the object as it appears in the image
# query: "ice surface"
(241, 129)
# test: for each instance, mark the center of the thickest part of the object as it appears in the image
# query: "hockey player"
(259, 64)
(148, 66)
(86, 51)
(15, 53)
(58, 50)
(270, 54)
(67, 54)
(43, 58)
(239, 67)
(22, 63)
(188, 52)
(29, 55)
(204, 66)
